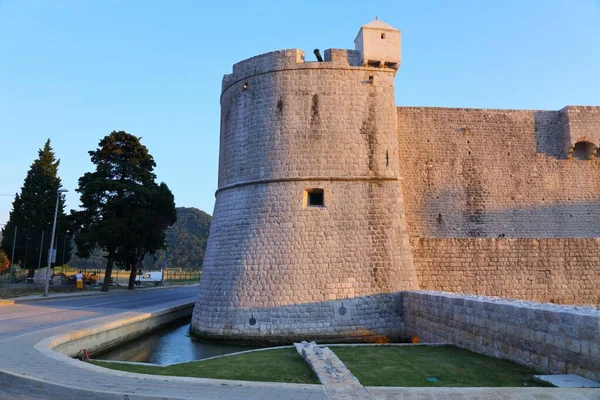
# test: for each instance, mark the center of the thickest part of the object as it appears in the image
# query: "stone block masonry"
(278, 268)
(491, 202)
(549, 338)
(498, 173)
(563, 271)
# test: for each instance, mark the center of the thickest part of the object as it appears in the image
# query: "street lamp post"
(51, 251)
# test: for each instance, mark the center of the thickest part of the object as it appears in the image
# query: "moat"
(169, 345)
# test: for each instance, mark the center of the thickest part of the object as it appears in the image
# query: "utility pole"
(41, 251)
(58, 192)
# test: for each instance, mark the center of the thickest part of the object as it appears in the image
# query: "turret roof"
(378, 24)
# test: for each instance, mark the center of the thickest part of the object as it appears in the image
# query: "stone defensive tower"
(308, 238)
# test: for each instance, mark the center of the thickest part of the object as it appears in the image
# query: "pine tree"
(123, 211)
(33, 213)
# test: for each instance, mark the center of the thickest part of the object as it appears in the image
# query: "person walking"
(79, 278)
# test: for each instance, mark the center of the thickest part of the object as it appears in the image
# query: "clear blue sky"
(73, 71)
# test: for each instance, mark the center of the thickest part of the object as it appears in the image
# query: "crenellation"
(343, 57)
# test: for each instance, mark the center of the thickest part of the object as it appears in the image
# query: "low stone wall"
(374, 318)
(547, 337)
(563, 271)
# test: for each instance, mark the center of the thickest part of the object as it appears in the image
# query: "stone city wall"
(564, 271)
(498, 173)
(547, 337)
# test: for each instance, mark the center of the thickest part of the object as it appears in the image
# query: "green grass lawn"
(280, 365)
(411, 365)
(372, 365)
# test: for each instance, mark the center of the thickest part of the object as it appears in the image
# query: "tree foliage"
(186, 240)
(124, 212)
(4, 262)
(186, 244)
(33, 213)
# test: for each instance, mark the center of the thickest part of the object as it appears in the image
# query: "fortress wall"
(318, 120)
(550, 338)
(564, 271)
(491, 173)
(292, 268)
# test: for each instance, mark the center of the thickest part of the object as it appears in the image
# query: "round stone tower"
(308, 239)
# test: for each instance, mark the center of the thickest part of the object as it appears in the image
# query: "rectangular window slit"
(314, 198)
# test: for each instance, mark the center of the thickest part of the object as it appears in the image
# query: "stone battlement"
(294, 59)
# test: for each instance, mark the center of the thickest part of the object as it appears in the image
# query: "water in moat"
(170, 345)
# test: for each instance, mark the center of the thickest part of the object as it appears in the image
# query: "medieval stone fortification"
(333, 202)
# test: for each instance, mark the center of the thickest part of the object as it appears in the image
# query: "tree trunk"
(107, 274)
(132, 276)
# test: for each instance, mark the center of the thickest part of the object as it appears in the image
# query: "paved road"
(23, 318)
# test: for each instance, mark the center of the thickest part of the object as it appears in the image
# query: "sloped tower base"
(272, 275)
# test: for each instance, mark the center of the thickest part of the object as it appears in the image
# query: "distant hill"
(187, 239)
(186, 242)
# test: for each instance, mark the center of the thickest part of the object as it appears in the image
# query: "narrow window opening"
(383, 35)
(387, 158)
(314, 198)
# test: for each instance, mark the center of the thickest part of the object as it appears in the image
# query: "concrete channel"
(113, 334)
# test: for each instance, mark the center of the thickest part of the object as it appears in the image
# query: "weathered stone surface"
(276, 269)
(547, 337)
(557, 270)
(339, 383)
(479, 201)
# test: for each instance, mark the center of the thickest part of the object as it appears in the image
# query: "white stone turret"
(379, 45)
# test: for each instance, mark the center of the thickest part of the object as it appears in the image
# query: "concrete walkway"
(29, 369)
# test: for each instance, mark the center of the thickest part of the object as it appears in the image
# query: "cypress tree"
(33, 213)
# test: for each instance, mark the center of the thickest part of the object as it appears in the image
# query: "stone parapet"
(282, 60)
